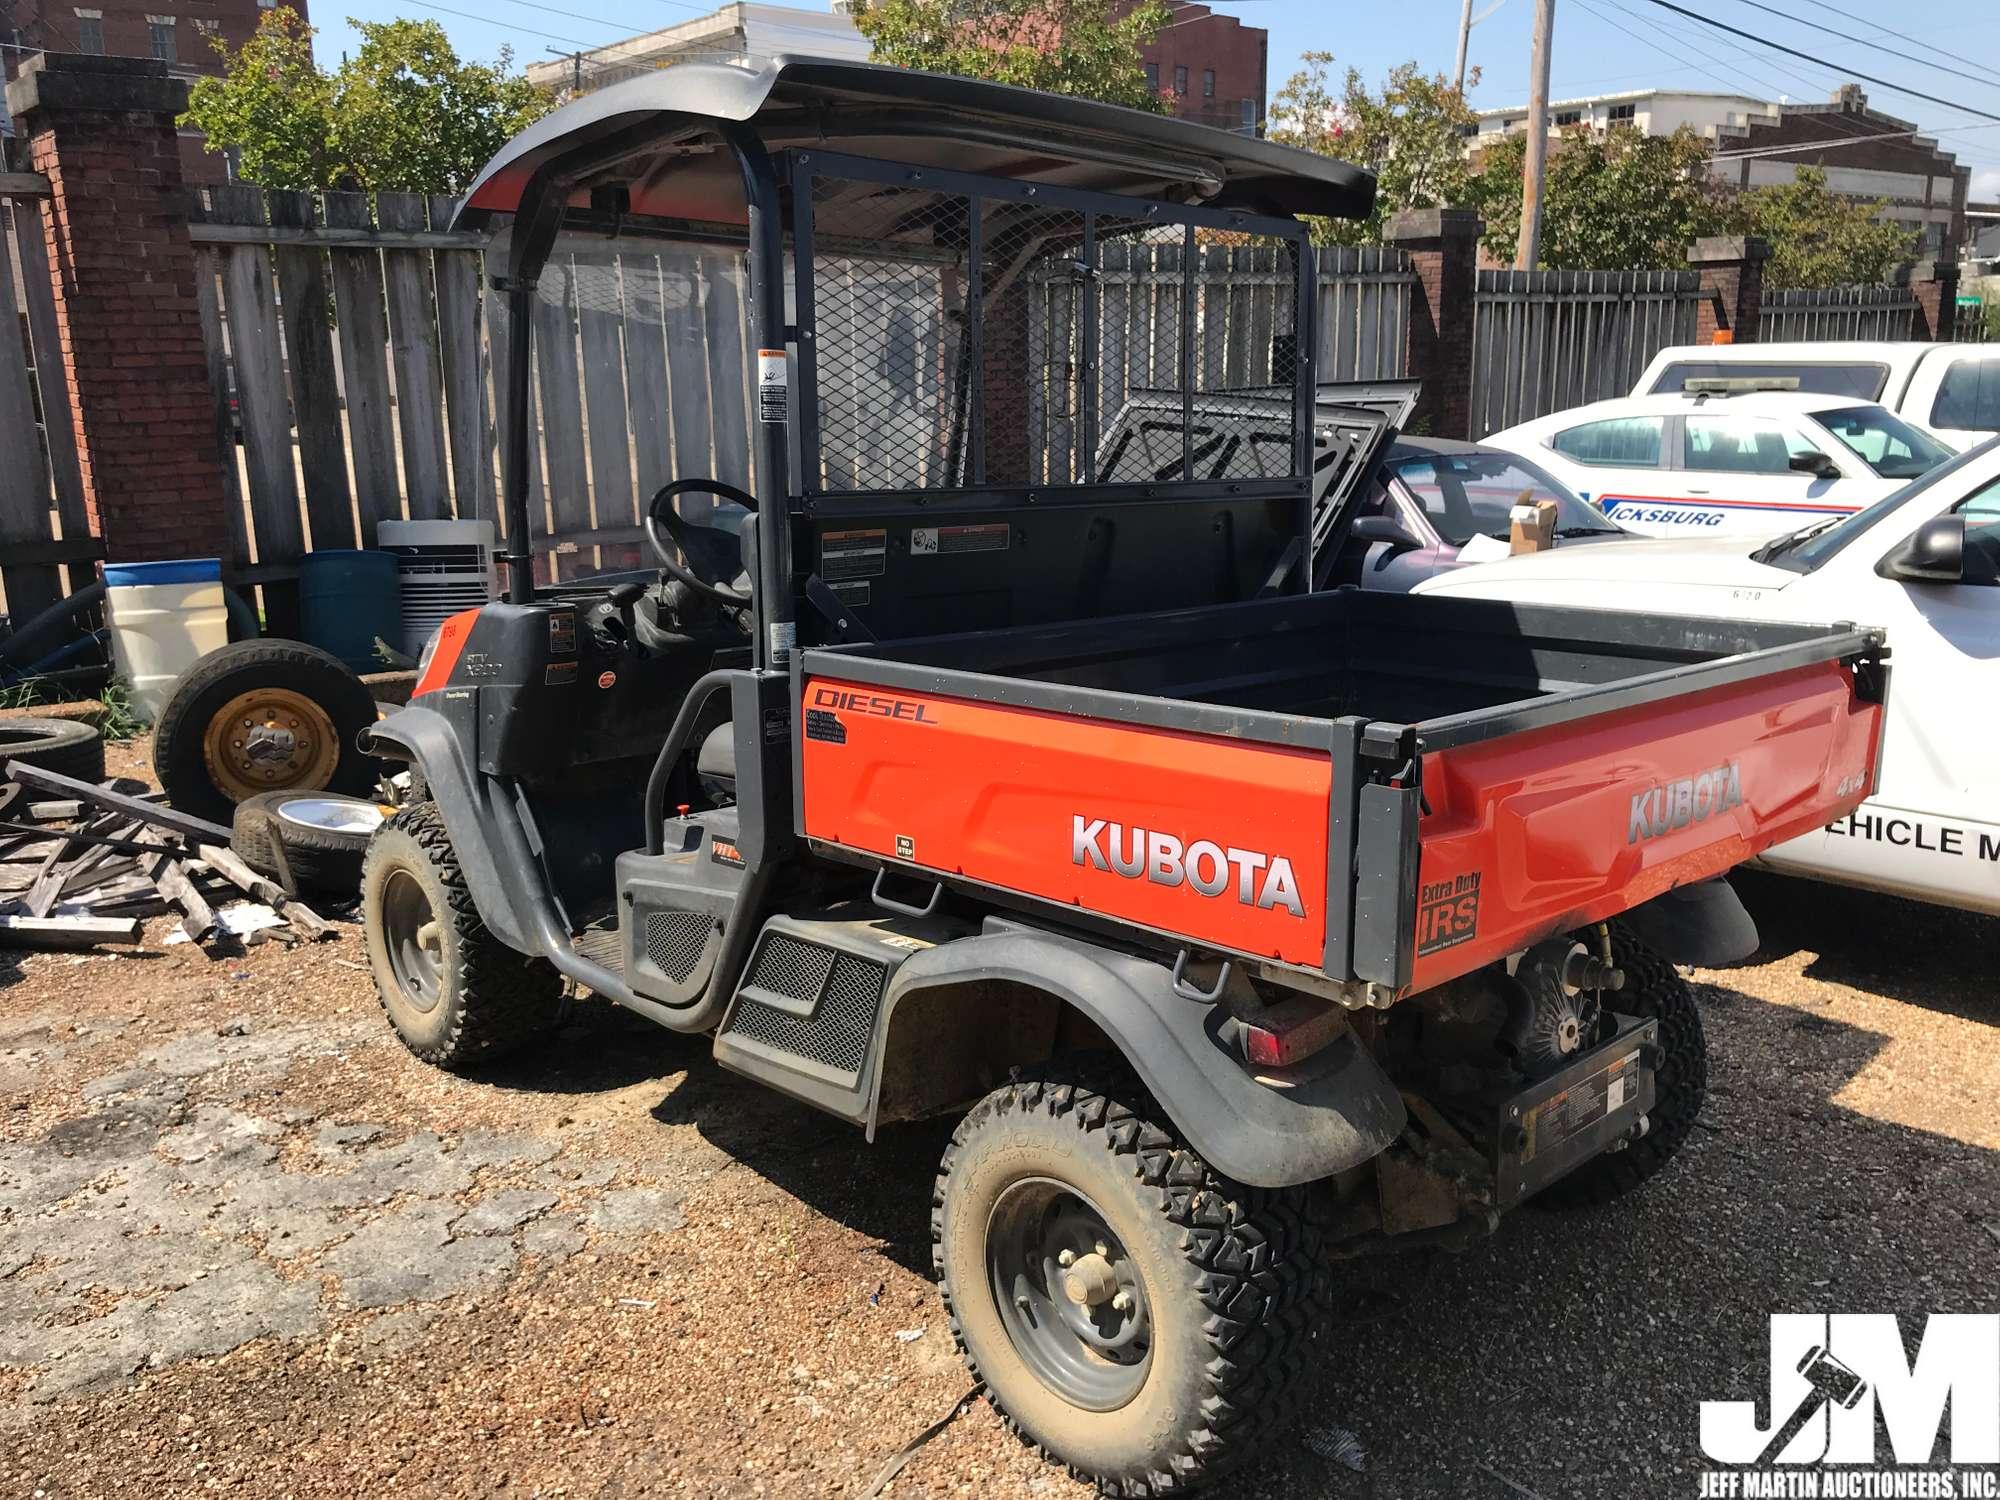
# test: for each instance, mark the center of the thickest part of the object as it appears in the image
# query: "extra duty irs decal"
(1258, 879)
(1447, 913)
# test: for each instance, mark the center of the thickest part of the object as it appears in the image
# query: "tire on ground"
(1234, 1280)
(1653, 990)
(318, 859)
(68, 747)
(491, 999)
(211, 684)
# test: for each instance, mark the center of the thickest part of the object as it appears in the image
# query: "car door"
(1932, 829)
(1617, 463)
(1736, 476)
(1957, 396)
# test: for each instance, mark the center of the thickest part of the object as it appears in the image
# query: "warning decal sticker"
(939, 541)
(845, 555)
(771, 397)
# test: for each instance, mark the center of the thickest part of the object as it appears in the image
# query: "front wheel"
(456, 994)
(1134, 1315)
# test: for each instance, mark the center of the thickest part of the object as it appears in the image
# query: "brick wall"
(100, 129)
(1200, 41)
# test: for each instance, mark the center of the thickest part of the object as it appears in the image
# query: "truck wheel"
(455, 993)
(1134, 1315)
(262, 716)
(319, 838)
(1653, 989)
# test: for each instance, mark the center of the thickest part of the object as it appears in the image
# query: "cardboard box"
(1533, 526)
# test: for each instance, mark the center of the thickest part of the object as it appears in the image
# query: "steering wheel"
(713, 550)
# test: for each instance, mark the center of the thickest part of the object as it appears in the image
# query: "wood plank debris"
(83, 865)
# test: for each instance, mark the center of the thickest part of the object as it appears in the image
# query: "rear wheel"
(456, 994)
(1654, 990)
(1134, 1315)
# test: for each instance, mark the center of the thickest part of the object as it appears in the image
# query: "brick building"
(1214, 68)
(179, 33)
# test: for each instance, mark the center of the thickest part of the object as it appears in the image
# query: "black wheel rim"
(411, 935)
(1071, 1300)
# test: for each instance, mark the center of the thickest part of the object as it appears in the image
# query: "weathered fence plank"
(647, 383)
(465, 409)
(1816, 314)
(208, 303)
(414, 354)
(562, 410)
(24, 488)
(315, 378)
(364, 375)
(600, 315)
(52, 386)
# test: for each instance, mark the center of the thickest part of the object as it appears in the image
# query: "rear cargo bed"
(1377, 787)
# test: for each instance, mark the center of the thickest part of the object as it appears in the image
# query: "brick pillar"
(1935, 284)
(1732, 281)
(101, 129)
(1443, 246)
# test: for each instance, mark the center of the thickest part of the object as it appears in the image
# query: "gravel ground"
(247, 1243)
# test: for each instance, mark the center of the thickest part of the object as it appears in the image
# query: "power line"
(1677, 38)
(1964, 109)
(1875, 42)
(1658, 47)
(488, 20)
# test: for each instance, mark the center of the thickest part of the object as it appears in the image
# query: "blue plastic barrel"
(346, 600)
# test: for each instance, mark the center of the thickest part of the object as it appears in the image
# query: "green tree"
(1058, 46)
(1819, 238)
(1616, 200)
(403, 114)
(1411, 135)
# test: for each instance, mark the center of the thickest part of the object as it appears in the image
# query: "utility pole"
(1529, 250)
(1464, 42)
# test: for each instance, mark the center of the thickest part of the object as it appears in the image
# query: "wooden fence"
(46, 549)
(1544, 341)
(1840, 312)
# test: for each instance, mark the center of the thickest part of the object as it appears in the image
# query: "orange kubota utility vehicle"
(938, 771)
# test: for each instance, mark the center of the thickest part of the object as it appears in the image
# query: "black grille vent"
(836, 1034)
(786, 966)
(675, 941)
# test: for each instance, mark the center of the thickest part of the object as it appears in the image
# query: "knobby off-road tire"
(485, 999)
(67, 747)
(1233, 1281)
(1656, 991)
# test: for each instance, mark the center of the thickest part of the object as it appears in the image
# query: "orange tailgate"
(1541, 832)
(1218, 840)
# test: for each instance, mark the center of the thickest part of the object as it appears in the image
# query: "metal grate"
(786, 966)
(675, 941)
(964, 339)
(837, 1033)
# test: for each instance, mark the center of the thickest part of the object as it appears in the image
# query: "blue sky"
(1601, 45)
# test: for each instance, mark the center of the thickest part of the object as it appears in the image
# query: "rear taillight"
(1291, 1031)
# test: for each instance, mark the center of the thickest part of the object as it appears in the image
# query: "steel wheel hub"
(412, 939)
(270, 740)
(1071, 1300)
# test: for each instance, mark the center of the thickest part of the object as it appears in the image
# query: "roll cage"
(936, 340)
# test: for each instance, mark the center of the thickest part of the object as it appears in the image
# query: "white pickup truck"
(1952, 390)
(1924, 563)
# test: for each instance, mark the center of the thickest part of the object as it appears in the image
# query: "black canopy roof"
(924, 119)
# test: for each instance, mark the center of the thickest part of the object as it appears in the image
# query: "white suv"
(1951, 390)
(1705, 463)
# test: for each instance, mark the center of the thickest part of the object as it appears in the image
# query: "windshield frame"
(1815, 552)
(1893, 428)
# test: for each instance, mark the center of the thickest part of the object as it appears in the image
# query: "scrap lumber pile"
(83, 864)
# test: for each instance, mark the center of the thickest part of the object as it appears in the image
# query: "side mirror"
(1385, 529)
(1934, 553)
(1815, 463)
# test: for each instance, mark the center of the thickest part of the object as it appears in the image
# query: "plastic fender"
(1275, 1128)
(427, 739)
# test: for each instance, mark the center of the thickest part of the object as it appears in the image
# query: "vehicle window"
(1885, 442)
(1631, 442)
(1813, 546)
(1861, 380)
(1969, 396)
(1740, 445)
(1469, 494)
(1982, 534)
